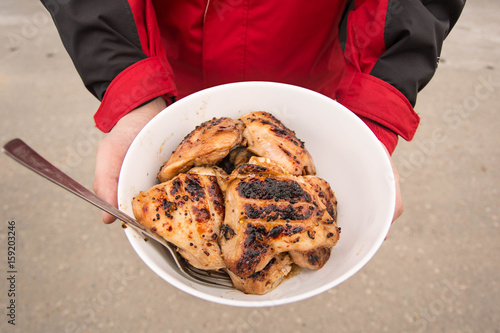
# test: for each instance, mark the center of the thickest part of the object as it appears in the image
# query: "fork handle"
(22, 153)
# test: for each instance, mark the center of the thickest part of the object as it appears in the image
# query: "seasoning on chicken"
(206, 145)
(267, 137)
(265, 280)
(268, 213)
(188, 211)
(314, 259)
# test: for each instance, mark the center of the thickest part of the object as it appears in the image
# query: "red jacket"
(373, 56)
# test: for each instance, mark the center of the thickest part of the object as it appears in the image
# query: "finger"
(107, 191)
(106, 188)
(107, 219)
(107, 170)
(399, 208)
(113, 148)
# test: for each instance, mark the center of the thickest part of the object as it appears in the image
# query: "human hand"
(398, 211)
(112, 149)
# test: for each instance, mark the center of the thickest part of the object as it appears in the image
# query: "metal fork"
(22, 153)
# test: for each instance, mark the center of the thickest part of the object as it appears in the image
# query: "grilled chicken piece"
(206, 145)
(314, 259)
(188, 211)
(267, 137)
(264, 281)
(317, 258)
(268, 213)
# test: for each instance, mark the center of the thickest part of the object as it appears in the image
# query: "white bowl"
(345, 152)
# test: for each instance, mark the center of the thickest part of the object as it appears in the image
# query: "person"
(139, 56)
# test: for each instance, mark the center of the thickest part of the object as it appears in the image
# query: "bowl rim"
(132, 234)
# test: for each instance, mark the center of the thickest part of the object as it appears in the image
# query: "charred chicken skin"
(263, 281)
(206, 145)
(188, 211)
(314, 259)
(267, 137)
(269, 213)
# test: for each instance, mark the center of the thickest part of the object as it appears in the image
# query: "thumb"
(113, 148)
(107, 170)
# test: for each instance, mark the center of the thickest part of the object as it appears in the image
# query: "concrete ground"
(438, 271)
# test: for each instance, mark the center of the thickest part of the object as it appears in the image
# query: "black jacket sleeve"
(414, 33)
(100, 36)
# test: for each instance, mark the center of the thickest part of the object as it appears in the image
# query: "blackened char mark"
(293, 231)
(248, 169)
(169, 207)
(194, 187)
(262, 275)
(287, 230)
(276, 231)
(330, 202)
(287, 135)
(212, 123)
(176, 185)
(216, 195)
(201, 215)
(274, 212)
(272, 189)
(226, 231)
(313, 258)
(281, 130)
(203, 126)
(317, 258)
(287, 153)
(254, 247)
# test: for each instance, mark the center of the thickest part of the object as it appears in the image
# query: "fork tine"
(207, 277)
(218, 279)
(218, 274)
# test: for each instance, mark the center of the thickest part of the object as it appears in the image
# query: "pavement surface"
(438, 271)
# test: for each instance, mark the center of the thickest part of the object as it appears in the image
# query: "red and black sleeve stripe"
(101, 38)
